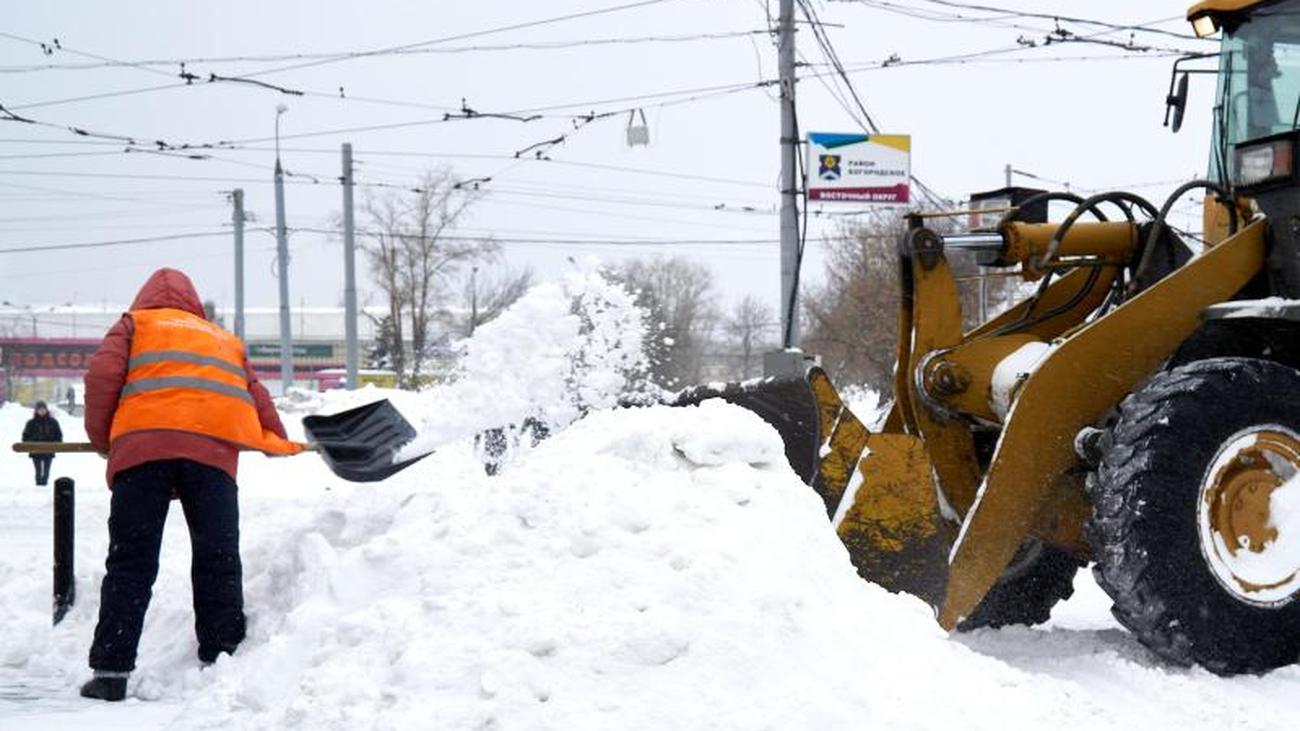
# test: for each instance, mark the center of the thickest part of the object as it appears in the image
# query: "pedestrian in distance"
(42, 427)
(170, 399)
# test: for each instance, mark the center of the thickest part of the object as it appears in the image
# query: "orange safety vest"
(187, 374)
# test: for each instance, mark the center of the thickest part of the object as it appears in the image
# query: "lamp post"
(30, 313)
(282, 260)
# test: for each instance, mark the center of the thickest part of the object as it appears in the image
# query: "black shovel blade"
(360, 444)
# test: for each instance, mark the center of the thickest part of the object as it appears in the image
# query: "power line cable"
(93, 97)
(1140, 27)
(333, 152)
(85, 194)
(624, 216)
(55, 45)
(828, 50)
(552, 241)
(458, 37)
(274, 58)
(118, 242)
(312, 180)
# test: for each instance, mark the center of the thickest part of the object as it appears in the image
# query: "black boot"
(105, 687)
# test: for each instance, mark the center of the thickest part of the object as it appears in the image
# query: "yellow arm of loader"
(1089, 372)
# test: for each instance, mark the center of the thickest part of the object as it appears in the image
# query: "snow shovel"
(359, 445)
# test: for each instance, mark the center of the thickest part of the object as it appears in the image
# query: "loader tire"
(1039, 576)
(1149, 524)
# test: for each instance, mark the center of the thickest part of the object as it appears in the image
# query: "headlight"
(1256, 163)
(1205, 26)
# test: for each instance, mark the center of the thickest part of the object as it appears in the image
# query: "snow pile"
(563, 349)
(645, 569)
(642, 569)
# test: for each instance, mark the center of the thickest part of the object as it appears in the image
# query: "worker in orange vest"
(171, 399)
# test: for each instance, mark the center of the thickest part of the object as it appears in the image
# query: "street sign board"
(300, 350)
(858, 168)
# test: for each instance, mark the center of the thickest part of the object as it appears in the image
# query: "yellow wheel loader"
(1139, 411)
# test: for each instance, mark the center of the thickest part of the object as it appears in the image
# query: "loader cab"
(1258, 91)
(1256, 124)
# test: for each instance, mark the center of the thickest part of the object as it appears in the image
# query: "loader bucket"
(785, 403)
(878, 489)
(360, 444)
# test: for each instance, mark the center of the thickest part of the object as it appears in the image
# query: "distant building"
(44, 349)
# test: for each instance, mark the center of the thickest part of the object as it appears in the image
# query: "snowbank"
(642, 569)
(648, 568)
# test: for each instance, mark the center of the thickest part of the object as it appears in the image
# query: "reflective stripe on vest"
(202, 384)
(187, 374)
(159, 356)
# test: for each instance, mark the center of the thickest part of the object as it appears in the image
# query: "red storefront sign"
(46, 357)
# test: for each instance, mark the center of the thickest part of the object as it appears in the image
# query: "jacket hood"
(169, 288)
(40, 405)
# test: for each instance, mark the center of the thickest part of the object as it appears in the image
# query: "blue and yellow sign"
(858, 168)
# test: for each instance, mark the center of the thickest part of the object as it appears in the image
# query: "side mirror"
(1176, 105)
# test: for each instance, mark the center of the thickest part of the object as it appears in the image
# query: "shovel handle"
(87, 447)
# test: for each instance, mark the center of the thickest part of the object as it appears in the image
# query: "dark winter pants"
(42, 462)
(135, 526)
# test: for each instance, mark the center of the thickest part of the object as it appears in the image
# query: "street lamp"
(279, 110)
(30, 313)
(282, 258)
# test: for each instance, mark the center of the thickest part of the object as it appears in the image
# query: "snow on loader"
(1141, 410)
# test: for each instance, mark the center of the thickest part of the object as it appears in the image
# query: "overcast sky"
(1093, 122)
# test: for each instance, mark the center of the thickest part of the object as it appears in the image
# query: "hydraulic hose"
(1048, 198)
(1144, 263)
(1117, 196)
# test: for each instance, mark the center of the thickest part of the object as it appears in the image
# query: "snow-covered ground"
(645, 568)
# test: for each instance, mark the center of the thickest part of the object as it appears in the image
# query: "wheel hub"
(1250, 555)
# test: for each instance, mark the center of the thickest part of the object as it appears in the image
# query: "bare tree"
(383, 248)
(486, 295)
(413, 255)
(678, 295)
(749, 320)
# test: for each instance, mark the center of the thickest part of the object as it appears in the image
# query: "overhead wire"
(1141, 27)
(55, 44)
(455, 50)
(83, 194)
(555, 241)
(116, 242)
(868, 123)
(349, 56)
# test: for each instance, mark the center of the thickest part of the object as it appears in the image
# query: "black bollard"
(65, 588)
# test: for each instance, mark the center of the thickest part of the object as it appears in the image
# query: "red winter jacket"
(107, 374)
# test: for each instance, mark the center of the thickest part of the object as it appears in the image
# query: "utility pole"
(282, 259)
(1008, 284)
(237, 218)
(789, 181)
(349, 271)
